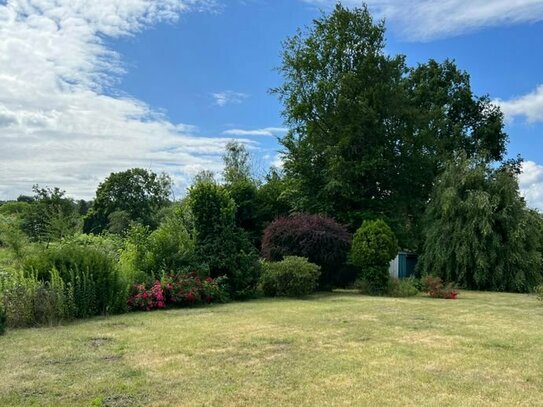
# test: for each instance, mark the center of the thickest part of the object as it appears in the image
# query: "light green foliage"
(291, 277)
(169, 249)
(479, 232)
(220, 243)
(236, 163)
(406, 287)
(12, 237)
(374, 246)
(368, 133)
(89, 271)
(539, 292)
(374, 243)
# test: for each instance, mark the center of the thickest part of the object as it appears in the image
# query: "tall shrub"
(88, 272)
(318, 238)
(374, 246)
(222, 245)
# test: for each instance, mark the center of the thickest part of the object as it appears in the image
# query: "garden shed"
(403, 265)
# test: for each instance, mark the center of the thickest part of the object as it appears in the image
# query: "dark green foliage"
(368, 133)
(291, 277)
(374, 246)
(220, 243)
(272, 202)
(3, 324)
(478, 231)
(135, 195)
(320, 239)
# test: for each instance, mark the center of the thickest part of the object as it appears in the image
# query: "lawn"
(331, 349)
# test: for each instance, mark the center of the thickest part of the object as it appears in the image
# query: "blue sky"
(93, 87)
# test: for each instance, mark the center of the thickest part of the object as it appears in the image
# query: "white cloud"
(529, 106)
(278, 161)
(531, 184)
(267, 131)
(428, 19)
(228, 97)
(58, 126)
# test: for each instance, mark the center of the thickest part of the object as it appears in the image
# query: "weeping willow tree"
(478, 231)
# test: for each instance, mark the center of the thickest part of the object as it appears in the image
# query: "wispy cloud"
(266, 131)
(57, 124)
(428, 19)
(228, 97)
(529, 106)
(531, 184)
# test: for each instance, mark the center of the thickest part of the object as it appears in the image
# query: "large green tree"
(134, 195)
(478, 231)
(368, 133)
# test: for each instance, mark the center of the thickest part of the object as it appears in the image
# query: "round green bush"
(291, 277)
(374, 246)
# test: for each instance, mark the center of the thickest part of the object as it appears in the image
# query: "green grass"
(330, 350)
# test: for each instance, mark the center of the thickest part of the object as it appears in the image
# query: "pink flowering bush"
(147, 299)
(178, 290)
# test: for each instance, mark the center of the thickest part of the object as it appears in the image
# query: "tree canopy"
(134, 195)
(368, 133)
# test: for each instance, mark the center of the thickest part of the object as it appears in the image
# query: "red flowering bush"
(147, 299)
(435, 288)
(179, 290)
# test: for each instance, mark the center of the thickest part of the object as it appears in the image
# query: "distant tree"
(242, 188)
(369, 134)
(236, 162)
(25, 198)
(137, 192)
(51, 215)
(478, 231)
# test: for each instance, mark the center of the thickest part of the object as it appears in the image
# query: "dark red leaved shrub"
(320, 239)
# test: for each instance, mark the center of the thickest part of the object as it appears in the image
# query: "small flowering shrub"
(435, 288)
(147, 299)
(178, 290)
